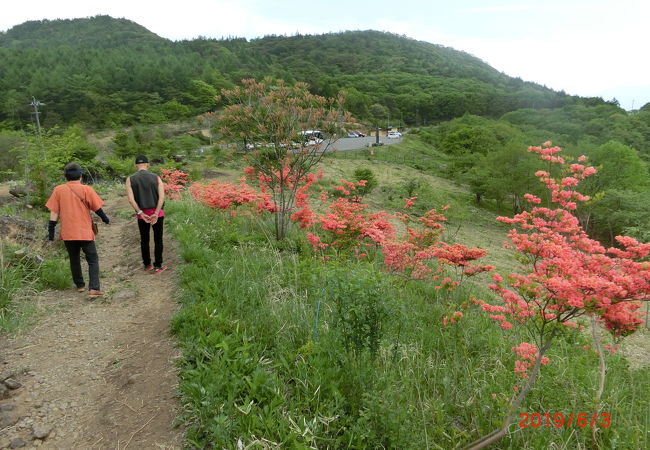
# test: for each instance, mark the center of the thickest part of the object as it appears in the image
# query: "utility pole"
(35, 103)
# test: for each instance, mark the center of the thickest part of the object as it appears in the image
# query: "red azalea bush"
(221, 195)
(175, 181)
(274, 113)
(346, 224)
(568, 275)
(421, 254)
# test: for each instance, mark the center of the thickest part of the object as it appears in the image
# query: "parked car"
(352, 134)
(311, 137)
(394, 135)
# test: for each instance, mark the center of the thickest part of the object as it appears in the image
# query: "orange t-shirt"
(76, 223)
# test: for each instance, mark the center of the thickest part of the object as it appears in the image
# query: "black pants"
(145, 229)
(92, 258)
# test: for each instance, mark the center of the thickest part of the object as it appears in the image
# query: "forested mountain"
(103, 71)
(98, 32)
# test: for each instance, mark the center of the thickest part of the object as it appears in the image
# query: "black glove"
(50, 229)
(102, 215)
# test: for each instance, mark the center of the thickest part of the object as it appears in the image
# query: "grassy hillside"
(284, 348)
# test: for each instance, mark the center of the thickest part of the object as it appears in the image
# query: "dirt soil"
(97, 373)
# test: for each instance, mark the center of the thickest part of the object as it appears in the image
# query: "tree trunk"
(514, 405)
(601, 374)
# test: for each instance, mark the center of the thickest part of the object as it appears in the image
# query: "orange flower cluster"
(230, 195)
(175, 181)
(527, 353)
(421, 253)
(346, 224)
(570, 275)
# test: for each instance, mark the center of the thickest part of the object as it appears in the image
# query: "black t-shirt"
(144, 185)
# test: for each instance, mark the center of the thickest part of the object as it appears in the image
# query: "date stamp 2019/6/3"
(558, 420)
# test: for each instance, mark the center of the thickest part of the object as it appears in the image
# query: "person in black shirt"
(146, 193)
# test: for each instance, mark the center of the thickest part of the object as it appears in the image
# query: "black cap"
(141, 159)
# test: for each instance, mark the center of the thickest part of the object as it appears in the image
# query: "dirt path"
(97, 374)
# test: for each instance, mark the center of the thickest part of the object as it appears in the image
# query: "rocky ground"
(96, 373)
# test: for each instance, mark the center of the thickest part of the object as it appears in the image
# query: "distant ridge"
(91, 32)
(104, 71)
(373, 51)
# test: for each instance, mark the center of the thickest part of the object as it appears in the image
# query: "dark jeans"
(92, 258)
(145, 229)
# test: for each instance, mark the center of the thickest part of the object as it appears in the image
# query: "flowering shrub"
(568, 276)
(175, 181)
(346, 224)
(422, 255)
(230, 195)
(527, 353)
(274, 113)
(419, 253)
(290, 197)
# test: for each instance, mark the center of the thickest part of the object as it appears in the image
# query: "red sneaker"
(159, 269)
(95, 293)
(149, 268)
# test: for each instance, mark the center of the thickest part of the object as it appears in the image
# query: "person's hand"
(50, 230)
(154, 219)
(102, 215)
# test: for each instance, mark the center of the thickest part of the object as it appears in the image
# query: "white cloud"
(501, 8)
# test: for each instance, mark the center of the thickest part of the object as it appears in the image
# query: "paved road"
(344, 144)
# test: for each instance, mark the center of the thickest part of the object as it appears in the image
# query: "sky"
(593, 48)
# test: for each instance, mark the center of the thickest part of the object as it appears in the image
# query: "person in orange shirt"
(71, 203)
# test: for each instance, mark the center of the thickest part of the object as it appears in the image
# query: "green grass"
(277, 349)
(19, 275)
(22, 276)
(54, 272)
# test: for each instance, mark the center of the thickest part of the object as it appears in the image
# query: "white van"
(312, 137)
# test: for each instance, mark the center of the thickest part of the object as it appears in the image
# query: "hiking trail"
(97, 373)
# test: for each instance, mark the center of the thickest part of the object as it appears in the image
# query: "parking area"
(346, 143)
